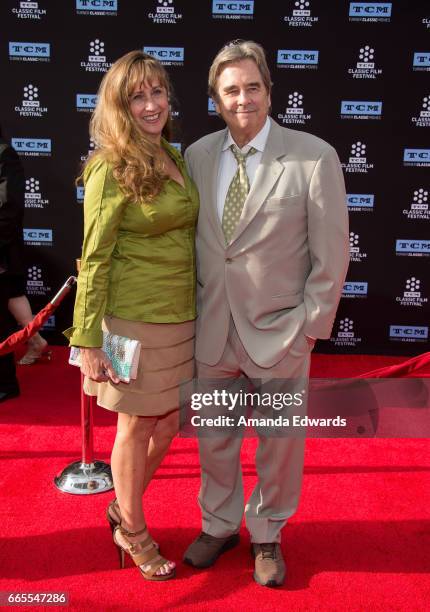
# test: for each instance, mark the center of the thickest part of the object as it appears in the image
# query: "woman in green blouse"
(137, 279)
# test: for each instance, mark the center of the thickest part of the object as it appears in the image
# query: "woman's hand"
(96, 365)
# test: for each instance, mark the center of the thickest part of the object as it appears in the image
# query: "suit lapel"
(211, 180)
(268, 172)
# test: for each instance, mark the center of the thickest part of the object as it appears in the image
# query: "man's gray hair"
(237, 51)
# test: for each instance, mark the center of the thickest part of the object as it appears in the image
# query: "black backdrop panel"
(354, 73)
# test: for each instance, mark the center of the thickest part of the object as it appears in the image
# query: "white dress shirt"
(228, 163)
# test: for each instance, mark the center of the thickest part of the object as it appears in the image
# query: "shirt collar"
(173, 151)
(258, 142)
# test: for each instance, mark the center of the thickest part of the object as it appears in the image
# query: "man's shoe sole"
(230, 543)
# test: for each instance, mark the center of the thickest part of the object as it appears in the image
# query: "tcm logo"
(416, 155)
(165, 13)
(423, 119)
(425, 111)
(29, 49)
(413, 246)
(422, 60)
(97, 48)
(413, 286)
(351, 107)
(301, 15)
(233, 8)
(370, 9)
(365, 200)
(35, 284)
(419, 206)
(96, 60)
(346, 335)
(32, 196)
(86, 101)
(34, 276)
(97, 5)
(30, 105)
(37, 235)
(412, 295)
(358, 152)
(355, 253)
(409, 331)
(32, 189)
(30, 96)
(29, 10)
(294, 112)
(365, 57)
(32, 145)
(420, 199)
(297, 56)
(165, 8)
(346, 328)
(356, 288)
(365, 67)
(166, 54)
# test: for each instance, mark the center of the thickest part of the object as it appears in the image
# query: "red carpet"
(359, 541)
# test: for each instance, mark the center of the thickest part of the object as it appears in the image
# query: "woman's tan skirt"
(166, 361)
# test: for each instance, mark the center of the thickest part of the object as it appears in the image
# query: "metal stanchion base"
(85, 478)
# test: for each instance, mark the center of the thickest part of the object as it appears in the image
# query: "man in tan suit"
(272, 251)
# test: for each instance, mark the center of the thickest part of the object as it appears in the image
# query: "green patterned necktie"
(236, 194)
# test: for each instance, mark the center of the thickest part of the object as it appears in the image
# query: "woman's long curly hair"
(136, 161)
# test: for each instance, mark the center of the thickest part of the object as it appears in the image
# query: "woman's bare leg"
(129, 462)
(20, 309)
(165, 430)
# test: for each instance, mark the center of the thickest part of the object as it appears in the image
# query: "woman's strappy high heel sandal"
(144, 554)
(113, 516)
(37, 351)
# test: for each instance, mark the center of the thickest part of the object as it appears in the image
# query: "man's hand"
(96, 365)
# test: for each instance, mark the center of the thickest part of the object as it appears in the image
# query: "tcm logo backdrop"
(353, 73)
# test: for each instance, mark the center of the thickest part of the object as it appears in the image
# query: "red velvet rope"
(8, 345)
(402, 370)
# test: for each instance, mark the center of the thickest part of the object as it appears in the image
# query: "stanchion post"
(88, 476)
(87, 405)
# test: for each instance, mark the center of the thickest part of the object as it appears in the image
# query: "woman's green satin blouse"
(138, 259)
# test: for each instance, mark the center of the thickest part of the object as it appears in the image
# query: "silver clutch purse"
(123, 352)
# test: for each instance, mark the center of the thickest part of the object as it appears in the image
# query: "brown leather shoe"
(269, 564)
(206, 549)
